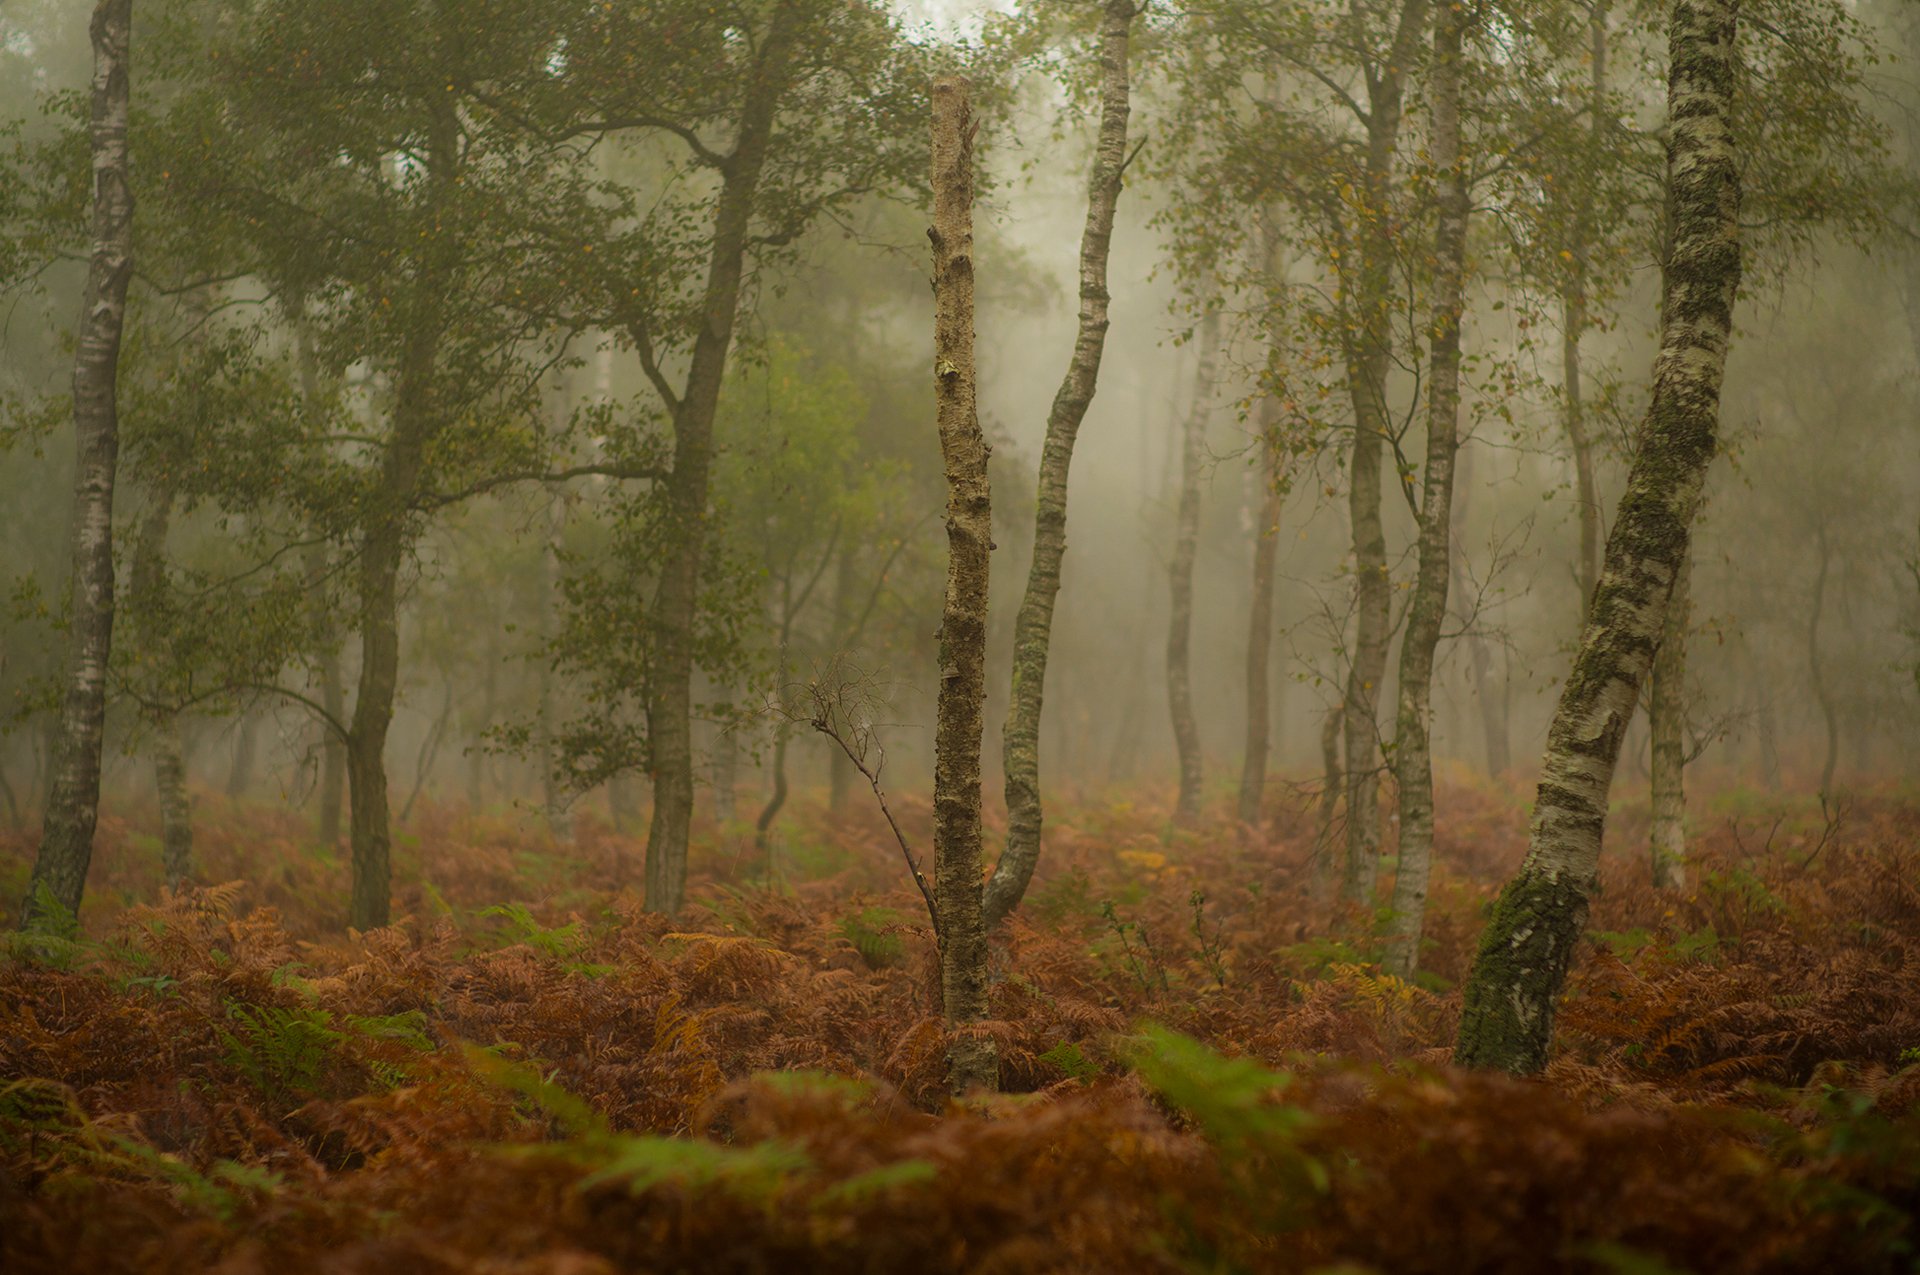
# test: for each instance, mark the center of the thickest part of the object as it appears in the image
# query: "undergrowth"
(1204, 1066)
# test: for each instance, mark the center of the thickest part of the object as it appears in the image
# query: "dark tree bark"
(1033, 626)
(1413, 752)
(73, 805)
(1186, 545)
(676, 597)
(958, 898)
(1530, 939)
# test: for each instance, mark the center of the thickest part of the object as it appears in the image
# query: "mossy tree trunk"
(73, 804)
(1530, 940)
(1033, 625)
(1413, 752)
(958, 898)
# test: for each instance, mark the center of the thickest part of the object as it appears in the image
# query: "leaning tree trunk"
(1369, 361)
(1413, 754)
(958, 900)
(1186, 544)
(676, 598)
(1266, 547)
(1574, 318)
(1530, 939)
(169, 761)
(73, 805)
(1033, 626)
(1667, 717)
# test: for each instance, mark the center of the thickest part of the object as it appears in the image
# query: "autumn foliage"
(1205, 1068)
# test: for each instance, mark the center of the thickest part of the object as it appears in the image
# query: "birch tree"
(1531, 937)
(73, 806)
(1033, 624)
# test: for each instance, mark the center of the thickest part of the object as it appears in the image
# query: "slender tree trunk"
(1530, 939)
(1413, 753)
(1186, 544)
(169, 764)
(1667, 719)
(73, 806)
(1266, 544)
(958, 896)
(333, 749)
(1822, 693)
(1574, 319)
(1369, 361)
(553, 795)
(840, 771)
(1330, 786)
(1033, 626)
(670, 686)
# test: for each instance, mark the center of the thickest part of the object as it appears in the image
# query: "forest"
(943, 635)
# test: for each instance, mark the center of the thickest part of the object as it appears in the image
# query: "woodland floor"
(1204, 1070)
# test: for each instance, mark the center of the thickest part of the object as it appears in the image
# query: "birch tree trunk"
(73, 804)
(1369, 359)
(1413, 753)
(958, 898)
(1530, 939)
(676, 597)
(1266, 544)
(1667, 717)
(1033, 625)
(1186, 544)
(1574, 318)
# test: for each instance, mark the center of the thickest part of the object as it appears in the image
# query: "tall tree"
(73, 807)
(958, 899)
(1186, 547)
(1530, 939)
(1033, 625)
(1413, 753)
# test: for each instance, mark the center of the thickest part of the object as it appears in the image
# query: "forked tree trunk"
(1266, 546)
(676, 597)
(1667, 719)
(1186, 545)
(1033, 626)
(958, 901)
(73, 805)
(1413, 752)
(1370, 358)
(1531, 936)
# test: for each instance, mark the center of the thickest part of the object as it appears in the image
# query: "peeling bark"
(73, 804)
(1033, 625)
(1529, 943)
(958, 902)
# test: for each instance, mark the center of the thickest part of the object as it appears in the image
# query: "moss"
(1507, 1022)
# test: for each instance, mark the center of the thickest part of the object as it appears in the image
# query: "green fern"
(283, 1052)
